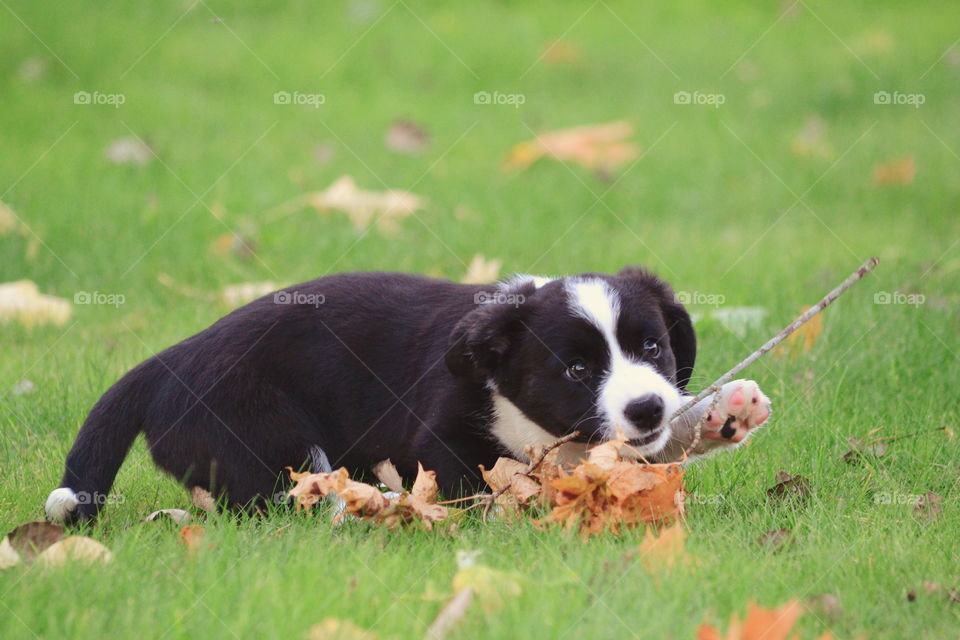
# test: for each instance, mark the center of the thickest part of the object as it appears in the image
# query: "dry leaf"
(407, 137)
(193, 537)
(202, 500)
(236, 295)
(129, 150)
(761, 624)
(826, 605)
(32, 538)
(897, 172)
(928, 506)
(179, 516)
(333, 629)
(22, 301)
(801, 341)
(665, 551)
(8, 555)
(363, 207)
(450, 615)
(776, 539)
(75, 549)
(600, 146)
(790, 486)
(481, 270)
(388, 475)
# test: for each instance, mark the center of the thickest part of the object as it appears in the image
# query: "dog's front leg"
(740, 409)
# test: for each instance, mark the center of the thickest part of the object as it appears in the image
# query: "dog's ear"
(683, 340)
(481, 339)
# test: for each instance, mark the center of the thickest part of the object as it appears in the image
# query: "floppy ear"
(481, 339)
(683, 340)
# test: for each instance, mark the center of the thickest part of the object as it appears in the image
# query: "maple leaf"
(760, 624)
(510, 477)
(365, 207)
(598, 146)
(897, 172)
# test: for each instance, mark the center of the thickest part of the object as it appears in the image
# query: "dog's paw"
(741, 409)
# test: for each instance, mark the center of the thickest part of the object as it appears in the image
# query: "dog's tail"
(102, 444)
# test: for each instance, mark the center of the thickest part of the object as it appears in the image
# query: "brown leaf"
(202, 499)
(75, 549)
(32, 538)
(929, 507)
(776, 539)
(192, 536)
(860, 449)
(365, 207)
(406, 137)
(826, 605)
(790, 486)
(600, 146)
(511, 475)
(388, 475)
(897, 172)
(333, 629)
(22, 302)
(760, 624)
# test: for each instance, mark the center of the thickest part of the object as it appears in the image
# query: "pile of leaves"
(605, 492)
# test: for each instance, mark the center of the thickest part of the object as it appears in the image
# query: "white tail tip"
(60, 504)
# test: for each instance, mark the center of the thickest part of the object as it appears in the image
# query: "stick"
(854, 277)
(534, 463)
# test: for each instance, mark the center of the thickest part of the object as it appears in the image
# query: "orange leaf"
(897, 172)
(598, 146)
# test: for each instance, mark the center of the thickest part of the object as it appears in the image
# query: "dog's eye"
(650, 348)
(576, 371)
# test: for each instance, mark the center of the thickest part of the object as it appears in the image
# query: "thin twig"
(490, 500)
(855, 277)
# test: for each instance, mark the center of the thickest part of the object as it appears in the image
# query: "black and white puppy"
(351, 369)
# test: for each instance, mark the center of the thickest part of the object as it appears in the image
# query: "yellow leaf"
(598, 146)
(365, 207)
(801, 341)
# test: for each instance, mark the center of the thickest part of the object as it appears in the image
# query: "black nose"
(645, 412)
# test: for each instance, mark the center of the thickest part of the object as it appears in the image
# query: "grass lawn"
(766, 200)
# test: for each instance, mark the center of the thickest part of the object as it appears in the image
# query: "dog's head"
(591, 353)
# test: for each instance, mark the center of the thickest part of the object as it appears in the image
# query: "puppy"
(351, 369)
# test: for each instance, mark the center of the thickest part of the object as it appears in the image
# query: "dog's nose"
(645, 412)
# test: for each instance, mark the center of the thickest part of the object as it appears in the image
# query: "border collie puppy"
(351, 369)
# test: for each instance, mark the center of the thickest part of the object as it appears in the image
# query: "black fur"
(366, 366)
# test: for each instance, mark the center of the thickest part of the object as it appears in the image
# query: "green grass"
(712, 206)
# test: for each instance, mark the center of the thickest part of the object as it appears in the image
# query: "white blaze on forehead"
(625, 379)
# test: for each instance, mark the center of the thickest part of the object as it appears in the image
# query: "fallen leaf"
(407, 137)
(386, 208)
(760, 624)
(236, 295)
(928, 507)
(193, 536)
(8, 555)
(241, 246)
(333, 629)
(562, 52)
(22, 301)
(75, 549)
(451, 613)
(863, 448)
(801, 341)
(776, 539)
(826, 605)
(599, 146)
(482, 271)
(179, 516)
(664, 551)
(510, 476)
(897, 172)
(202, 500)
(388, 475)
(32, 538)
(129, 150)
(789, 486)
